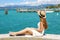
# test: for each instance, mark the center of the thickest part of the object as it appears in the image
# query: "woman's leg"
(23, 32)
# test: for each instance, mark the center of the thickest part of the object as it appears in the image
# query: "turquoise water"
(15, 21)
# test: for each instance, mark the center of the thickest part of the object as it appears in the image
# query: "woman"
(42, 25)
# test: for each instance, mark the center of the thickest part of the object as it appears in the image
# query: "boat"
(6, 11)
(49, 11)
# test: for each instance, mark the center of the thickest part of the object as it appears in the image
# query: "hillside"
(55, 6)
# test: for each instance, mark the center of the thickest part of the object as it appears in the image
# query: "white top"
(39, 27)
(36, 33)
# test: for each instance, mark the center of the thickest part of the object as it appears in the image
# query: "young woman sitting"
(42, 25)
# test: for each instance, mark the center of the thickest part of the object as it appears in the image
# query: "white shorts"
(36, 33)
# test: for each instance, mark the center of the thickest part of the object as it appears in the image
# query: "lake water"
(15, 21)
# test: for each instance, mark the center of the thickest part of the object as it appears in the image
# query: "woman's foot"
(12, 33)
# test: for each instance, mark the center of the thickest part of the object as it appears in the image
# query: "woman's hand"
(38, 12)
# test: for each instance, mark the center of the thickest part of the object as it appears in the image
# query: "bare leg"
(25, 31)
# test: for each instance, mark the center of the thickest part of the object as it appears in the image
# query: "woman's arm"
(44, 23)
(40, 28)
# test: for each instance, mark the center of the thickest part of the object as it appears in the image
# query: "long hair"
(44, 22)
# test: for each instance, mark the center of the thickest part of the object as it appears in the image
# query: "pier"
(34, 10)
(26, 10)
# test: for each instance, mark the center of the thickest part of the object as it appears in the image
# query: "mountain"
(55, 6)
(24, 6)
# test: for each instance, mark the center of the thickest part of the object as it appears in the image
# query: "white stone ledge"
(45, 37)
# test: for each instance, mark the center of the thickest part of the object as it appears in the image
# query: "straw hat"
(43, 13)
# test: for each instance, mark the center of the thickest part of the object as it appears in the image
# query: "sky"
(28, 2)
